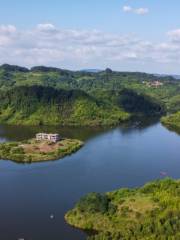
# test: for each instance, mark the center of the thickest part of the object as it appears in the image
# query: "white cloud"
(139, 11)
(47, 44)
(46, 27)
(127, 9)
(174, 35)
(7, 29)
(6, 34)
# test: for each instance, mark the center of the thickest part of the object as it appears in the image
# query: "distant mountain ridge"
(16, 68)
(92, 70)
(168, 75)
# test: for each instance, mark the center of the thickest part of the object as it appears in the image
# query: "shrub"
(93, 202)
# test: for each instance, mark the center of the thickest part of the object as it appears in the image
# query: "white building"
(47, 137)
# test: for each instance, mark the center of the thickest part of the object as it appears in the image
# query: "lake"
(126, 156)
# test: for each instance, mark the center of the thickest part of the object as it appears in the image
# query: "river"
(126, 156)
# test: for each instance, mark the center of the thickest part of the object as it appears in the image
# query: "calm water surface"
(110, 159)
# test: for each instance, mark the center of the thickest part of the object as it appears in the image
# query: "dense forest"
(39, 105)
(52, 96)
(151, 212)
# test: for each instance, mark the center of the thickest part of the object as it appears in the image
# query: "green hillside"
(101, 98)
(38, 105)
(151, 212)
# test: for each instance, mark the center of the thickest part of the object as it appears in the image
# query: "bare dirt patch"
(43, 146)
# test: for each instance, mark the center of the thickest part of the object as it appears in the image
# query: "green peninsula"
(172, 121)
(151, 212)
(36, 151)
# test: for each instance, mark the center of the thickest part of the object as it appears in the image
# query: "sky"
(125, 35)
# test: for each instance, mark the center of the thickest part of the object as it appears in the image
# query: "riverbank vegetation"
(172, 121)
(151, 212)
(36, 151)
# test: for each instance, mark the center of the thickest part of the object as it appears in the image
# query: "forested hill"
(39, 105)
(111, 93)
(54, 77)
(147, 213)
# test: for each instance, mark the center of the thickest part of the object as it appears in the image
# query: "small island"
(150, 212)
(44, 147)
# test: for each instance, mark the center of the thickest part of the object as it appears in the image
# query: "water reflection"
(18, 133)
